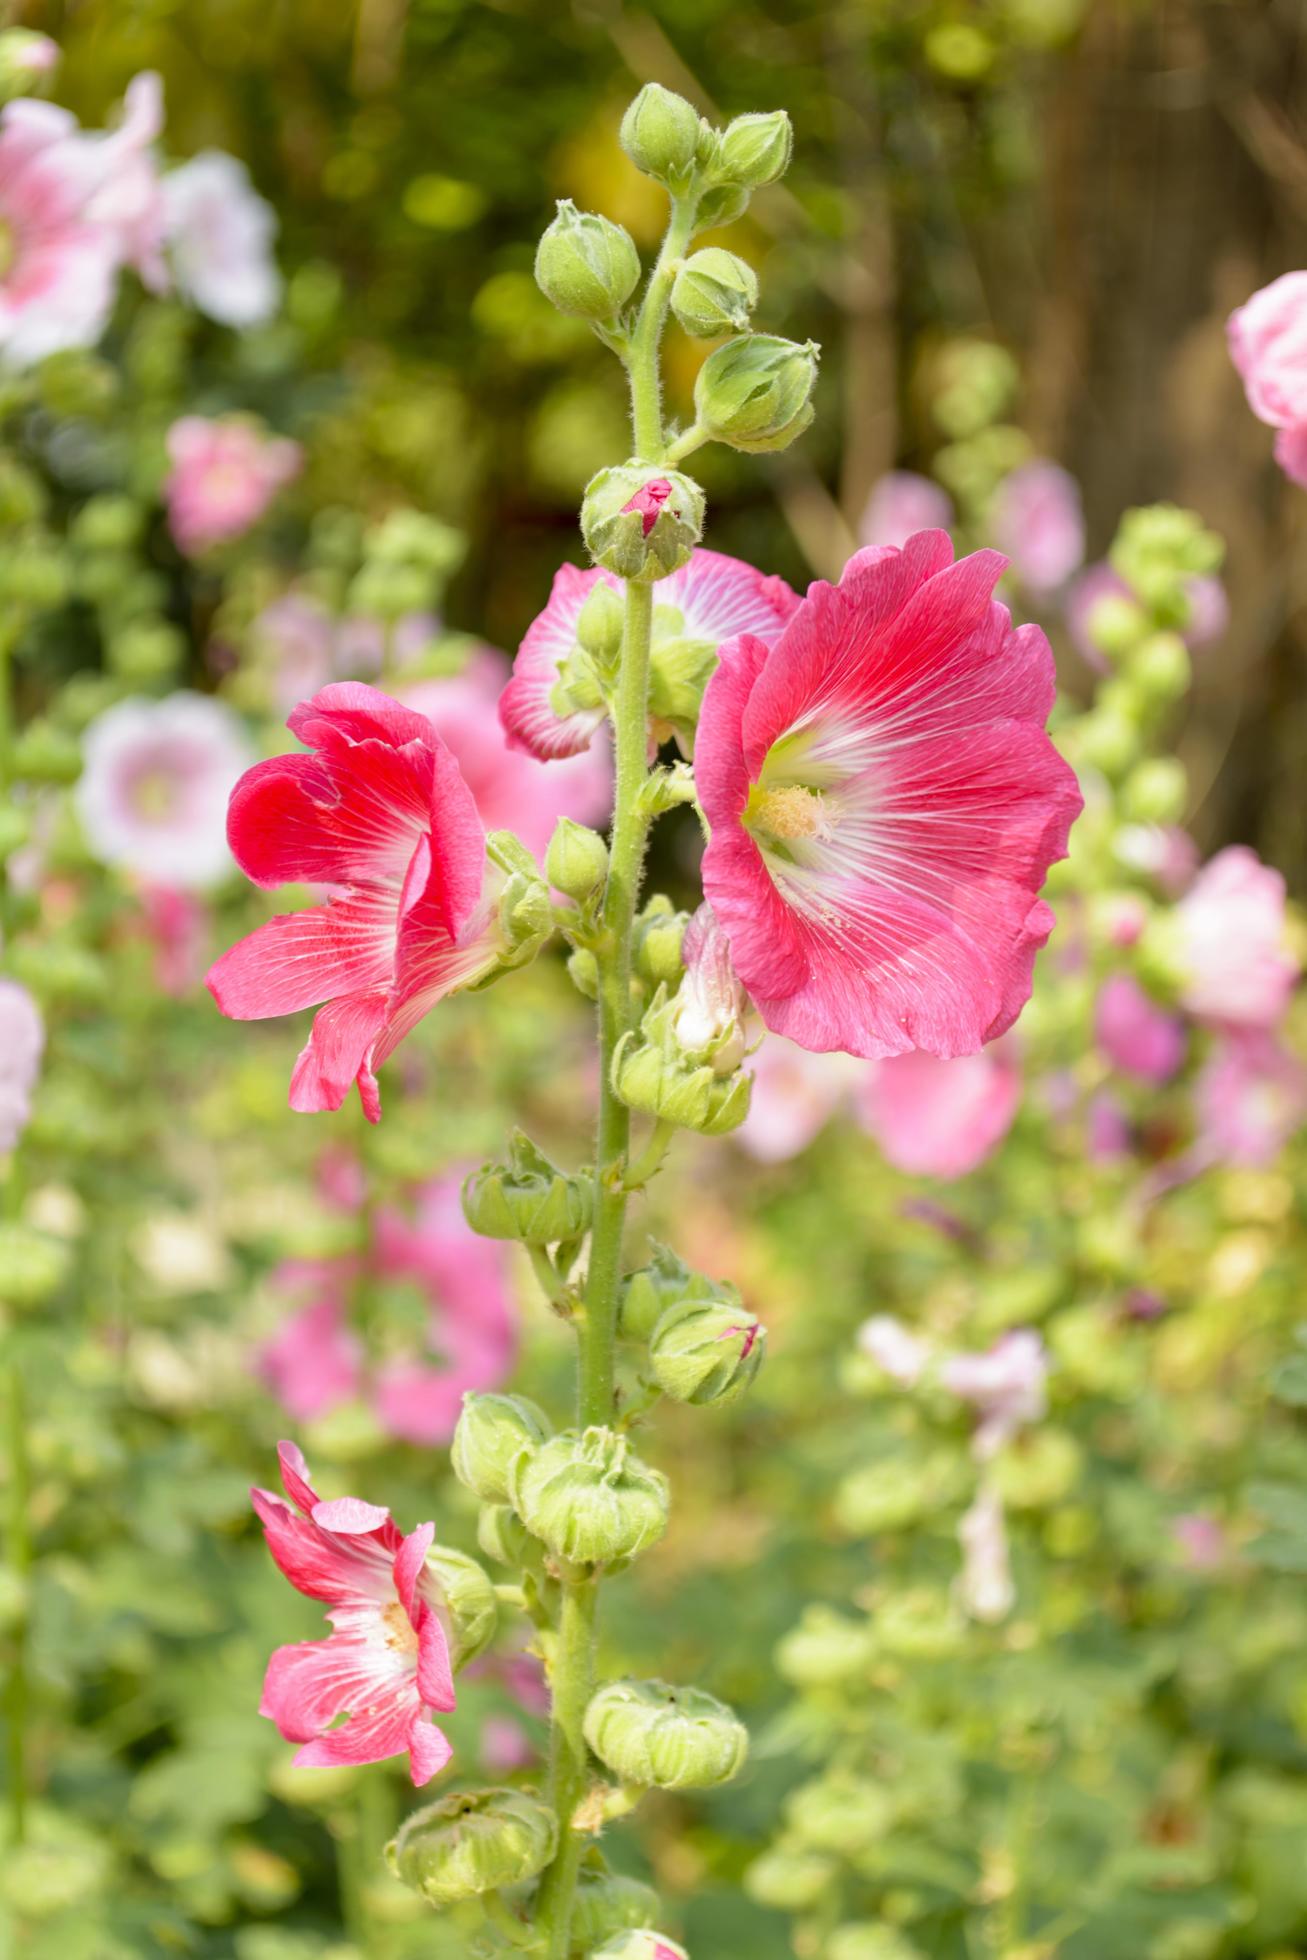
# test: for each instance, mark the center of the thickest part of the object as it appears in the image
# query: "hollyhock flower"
(220, 233)
(59, 268)
(884, 805)
(153, 792)
(314, 1362)
(1230, 944)
(902, 503)
(22, 1038)
(1268, 345)
(380, 810)
(1038, 520)
(1251, 1098)
(28, 53)
(225, 473)
(127, 202)
(710, 1002)
(175, 924)
(1163, 852)
(386, 1667)
(940, 1119)
(513, 790)
(1005, 1385)
(795, 1094)
(985, 1588)
(903, 1355)
(1135, 1034)
(709, 599)
(297, 635)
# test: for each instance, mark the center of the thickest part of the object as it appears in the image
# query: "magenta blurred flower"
(795, 1094)
(902, 503)
(985, 1589)
(1038, 520)
(940, 1118)
(57, 285)
(1236, 968)
(1268, 345)
(219, 234)
(1251, 1097)
(156, 776)
(1135, 1034)
(386, 1666)
(1006, 1386)
(225, 473)
(22, 1039)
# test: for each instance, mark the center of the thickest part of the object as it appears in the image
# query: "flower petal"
(300, 959)
(338, 1053)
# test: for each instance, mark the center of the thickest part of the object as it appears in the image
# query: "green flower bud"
(586, 264)
(503, 1537)
(714, 293)
(1161, 668)
(1116, 624)
(148, 650)
(491, 1430)
(659, 931)
(755, 150)
(472, 1842)
(44, 753)
(33, 1266)
(528, 1198)
(26, 61)
(651, 1071)
(826, 1649)
(867, 1940)
(108, 523)
(706, 1351)
(35, 577)
(674, 1738)
(641, 1944)
(648, 1293)
(577, 859)
(583, 968)
(1106, 740)
(923, 1624)
(1155, 791)
(840, 1813)
(660, 134)
(642, 522)
(755, 392)
(601, 623)
(606, 1905)
(790, 1880)
(526, 919)
(721, 205)
(471, 1610)
(587, 1496)
(885, 1495)
(410, 537)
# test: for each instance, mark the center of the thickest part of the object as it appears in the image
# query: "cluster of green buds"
(704, 1345)
(526, 1198)
(695, 1088)
(407, 561)
(473, 1842)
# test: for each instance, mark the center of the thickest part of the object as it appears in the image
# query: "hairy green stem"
(18, 1550)
(572, 1683)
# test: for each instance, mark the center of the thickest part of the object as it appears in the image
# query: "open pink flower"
(22, 1039)
(902, 503)
(127, 203)
(1136, 1035)
(1006, 1385)
(710, 599)
(60, 268)
(220, 233)
(794, 1096)
(884, 804)
(155, 781)
(225, 473)
(513, 790)
(940, 1119)
(386, 1666)
(1268, 345)
(1237, 970)
(380, 810)
(1039, 522)
(1251, 1097)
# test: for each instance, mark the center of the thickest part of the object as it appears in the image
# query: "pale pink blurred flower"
(57, 285)
(219, 234)
(505, 1746)
(1268, 345)
(298, 637)
(985, 1588)
(1237, 970)
(1163, 852)
(795, 1094)
(361, 642)
(1251, 1098)
(225, 472)
(128, 200)
(903, 502)
(314, 1362)
(1006, 1386)
(1135, 1034)
(155, 781)
(1291, 454)
(1201, 1540)
(1037, 519)
(513, 791)
(903, 1355)
(936, 1118)
(22, 1039)
(1107, 1133)
(175, 924)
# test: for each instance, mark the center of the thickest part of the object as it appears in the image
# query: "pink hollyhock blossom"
(505, 1746)
(795, 1094)
(940, 1119)
(985, 1588)
(314, 1362)
(22, 1039)
(1038, 520)
(1236, 968)
(1251, 1097)
(1135, 1034)
(1005, 1386)
(224, 475)
(884, 805)
(386, 1666)
(901, 504)
(513, 790)
(59, 267)
(297, 636)
(903, 1355)
(380, 810)
(1291, 454)
(1201, 1541)
(710, 1002)
(1268, 345)
(156, 776)
(175, 923)
(1107, 1133)
(220, 234)
(1163, 852)
(710, 599)
(127, 203)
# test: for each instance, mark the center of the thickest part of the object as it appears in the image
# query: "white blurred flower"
(154, 788)
(219, 235)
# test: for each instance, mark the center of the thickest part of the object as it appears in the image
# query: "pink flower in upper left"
(386, 1666)
(379, 810)
(224, 475)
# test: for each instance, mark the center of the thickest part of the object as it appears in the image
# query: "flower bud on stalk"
(660, 133)
(600, 624)
(526, 918)
(470, 1609)
(755, 150)
(641, 1944)
(675, 1738)
(577, 859)
(659, 936)
(588, 1497)
(586, 265)
(528, 1198)
(642, 523)
(755, 392)
(790, 1881)
(492, 1430)
(1155, 791)
(841, 1813)
(1161, 669)
(608, 1905)
(473, 1842)
(648, 1293)
(706, 1351)
(653, 1071)
(714, 293)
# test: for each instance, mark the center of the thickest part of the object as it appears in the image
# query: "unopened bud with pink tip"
(641, 1945)
(706, 1351)
(642, 522)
